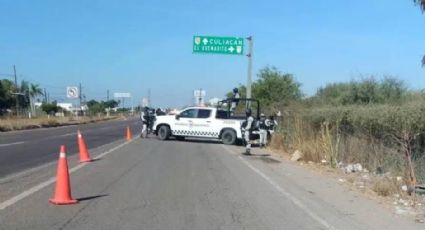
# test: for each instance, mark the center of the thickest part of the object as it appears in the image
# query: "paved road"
(22, 150)
(150, 184)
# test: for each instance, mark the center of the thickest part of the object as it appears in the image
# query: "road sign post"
(218, 45)
(249, 77)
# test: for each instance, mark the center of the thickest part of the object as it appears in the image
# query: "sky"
(134, 46)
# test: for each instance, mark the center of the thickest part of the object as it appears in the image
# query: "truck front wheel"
(164, 132)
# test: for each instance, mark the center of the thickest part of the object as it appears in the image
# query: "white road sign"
(122, 95)
(72, 92)
(199, 93)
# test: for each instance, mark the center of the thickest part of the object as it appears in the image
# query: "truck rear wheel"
(228, 137)
(164, 132)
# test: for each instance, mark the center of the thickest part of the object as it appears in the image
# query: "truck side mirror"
(177, 116)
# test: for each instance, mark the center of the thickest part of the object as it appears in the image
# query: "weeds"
(385, 139)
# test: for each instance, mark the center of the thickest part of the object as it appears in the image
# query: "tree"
(389, 90)
(23, 94)
(99, 107)
(34, 90)
(50, 108)
(111, 104)
(274, 87)
(95, 106)
(6, 98)
(420, 3)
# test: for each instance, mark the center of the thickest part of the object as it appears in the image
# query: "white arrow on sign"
(205, 41)
(231, 49)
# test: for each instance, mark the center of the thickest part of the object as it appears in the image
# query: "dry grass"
(385, 186)
(11, 124)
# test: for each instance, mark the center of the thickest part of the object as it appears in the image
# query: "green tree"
(23, 94)
(34, 90)
(95, 106)
(366, 91)
(274, 87)
(111, 104)
(50, 108)
(6, 98)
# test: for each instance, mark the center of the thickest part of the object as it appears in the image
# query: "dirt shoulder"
(385, 190)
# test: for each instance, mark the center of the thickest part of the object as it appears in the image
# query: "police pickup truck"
(203, 122)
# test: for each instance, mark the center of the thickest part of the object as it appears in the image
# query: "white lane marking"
(42, 185)
(14, 143)
(288, 195)
(67, 134)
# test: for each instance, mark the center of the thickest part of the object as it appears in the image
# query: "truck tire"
(228, 137)
(164, 132)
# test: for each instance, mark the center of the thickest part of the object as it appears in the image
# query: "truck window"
(204, 113)
(190, 113)
(221, 114)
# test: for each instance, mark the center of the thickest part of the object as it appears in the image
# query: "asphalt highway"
(22, 150)
(192, 184)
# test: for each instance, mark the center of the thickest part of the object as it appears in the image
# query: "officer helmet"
(248, 112)
(235, 90)
(262, 115)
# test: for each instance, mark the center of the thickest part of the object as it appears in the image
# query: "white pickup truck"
(205, 122)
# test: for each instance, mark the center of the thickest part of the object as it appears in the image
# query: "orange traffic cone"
(84, 154)
(129, 134)
(63, 187)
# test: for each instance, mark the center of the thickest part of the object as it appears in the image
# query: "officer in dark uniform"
(247, 128)
(144, 116)
(235, 100)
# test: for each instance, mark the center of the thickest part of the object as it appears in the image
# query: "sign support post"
(249, 77)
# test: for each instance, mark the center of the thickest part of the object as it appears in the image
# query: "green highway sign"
(218, 45)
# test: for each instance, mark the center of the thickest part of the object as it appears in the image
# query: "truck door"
(184, 123)
(205, 123)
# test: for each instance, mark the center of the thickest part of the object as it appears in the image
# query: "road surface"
(22, 150)
(153, 184)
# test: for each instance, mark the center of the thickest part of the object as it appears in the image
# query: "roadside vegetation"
(18, 109)
(375, 122)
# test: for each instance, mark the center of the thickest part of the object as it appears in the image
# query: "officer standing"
(264, 126)
(249, 123)
(144, 116)
(235, 100)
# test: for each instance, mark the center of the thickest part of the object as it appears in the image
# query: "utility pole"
(45, 95)
(200, 97)
(16, 91)
(149, 97)
(249, 55)
(107, 95)
(79, 95)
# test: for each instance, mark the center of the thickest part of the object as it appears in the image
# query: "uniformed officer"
(264, 126)
(249, 123)
(144, 116)
(235, 100)
(272, 123)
